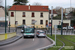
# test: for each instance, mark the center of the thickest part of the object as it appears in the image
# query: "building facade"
(68, 10)
(54, 13)
(22, 14)
(2, 17)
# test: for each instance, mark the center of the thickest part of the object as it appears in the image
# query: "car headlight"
(32, 34)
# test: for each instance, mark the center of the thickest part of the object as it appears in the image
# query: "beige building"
(58, 22)
(22, 14)
(28, 14)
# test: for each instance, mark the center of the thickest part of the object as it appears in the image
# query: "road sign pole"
(9, 23)
(15, 20)
(5, 16)
(61, 21)
(51, 19)
(55, 34)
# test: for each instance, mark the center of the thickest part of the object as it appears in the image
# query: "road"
(27, 43)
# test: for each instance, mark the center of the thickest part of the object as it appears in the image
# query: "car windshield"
(29, 30)
(41, 32)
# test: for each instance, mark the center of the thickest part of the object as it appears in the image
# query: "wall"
(54, 15)
(2, 12)
(7, 35)
(56, 22)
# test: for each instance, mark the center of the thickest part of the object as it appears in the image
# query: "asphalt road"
(27, 44)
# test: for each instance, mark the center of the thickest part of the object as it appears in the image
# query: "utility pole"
(51, 18)
(5, 16)
(61, 21)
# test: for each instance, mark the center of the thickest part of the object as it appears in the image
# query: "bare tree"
(36, 3)
(1, 2)
(58, 9)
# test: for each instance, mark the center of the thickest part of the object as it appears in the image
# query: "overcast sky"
(54, 3)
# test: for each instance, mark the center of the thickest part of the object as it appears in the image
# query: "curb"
(11, 41)
(52, 41)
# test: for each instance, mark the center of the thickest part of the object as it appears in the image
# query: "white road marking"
(33, 39)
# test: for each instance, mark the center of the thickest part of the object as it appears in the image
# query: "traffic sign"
(34, 21)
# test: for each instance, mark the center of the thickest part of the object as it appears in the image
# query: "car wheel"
(44, 37)
(24, 37)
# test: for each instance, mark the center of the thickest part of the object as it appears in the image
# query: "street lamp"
(70, 5)
(5, 16)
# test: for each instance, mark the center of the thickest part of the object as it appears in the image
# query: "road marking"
(33, 39)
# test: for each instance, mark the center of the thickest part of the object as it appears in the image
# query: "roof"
(54, 12)
(26, 8)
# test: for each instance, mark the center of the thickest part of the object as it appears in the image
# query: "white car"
(69, 27)
(41, 34)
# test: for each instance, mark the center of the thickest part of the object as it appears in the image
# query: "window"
(32, 14)
(12, 14)
(41, 21)
(16, 22)
(23, 21)
(23, 14)
(41, 15)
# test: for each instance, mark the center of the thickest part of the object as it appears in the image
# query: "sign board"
(34, 21)
(50, 25)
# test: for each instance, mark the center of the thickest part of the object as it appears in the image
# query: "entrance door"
(23, 21)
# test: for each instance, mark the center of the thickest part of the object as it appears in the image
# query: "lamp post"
(5, 16)
(70, 5)
(51, 18)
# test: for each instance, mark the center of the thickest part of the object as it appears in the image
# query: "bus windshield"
(29, 30)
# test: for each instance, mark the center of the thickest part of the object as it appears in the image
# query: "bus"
(29, 32)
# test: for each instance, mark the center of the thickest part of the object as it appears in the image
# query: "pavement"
(10, 40)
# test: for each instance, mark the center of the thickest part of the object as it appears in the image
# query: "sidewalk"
(10, 40)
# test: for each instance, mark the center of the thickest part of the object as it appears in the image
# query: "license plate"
(28, 36)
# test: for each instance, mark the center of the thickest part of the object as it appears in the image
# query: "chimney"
(29, 6)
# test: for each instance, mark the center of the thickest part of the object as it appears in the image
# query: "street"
(26, 43)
